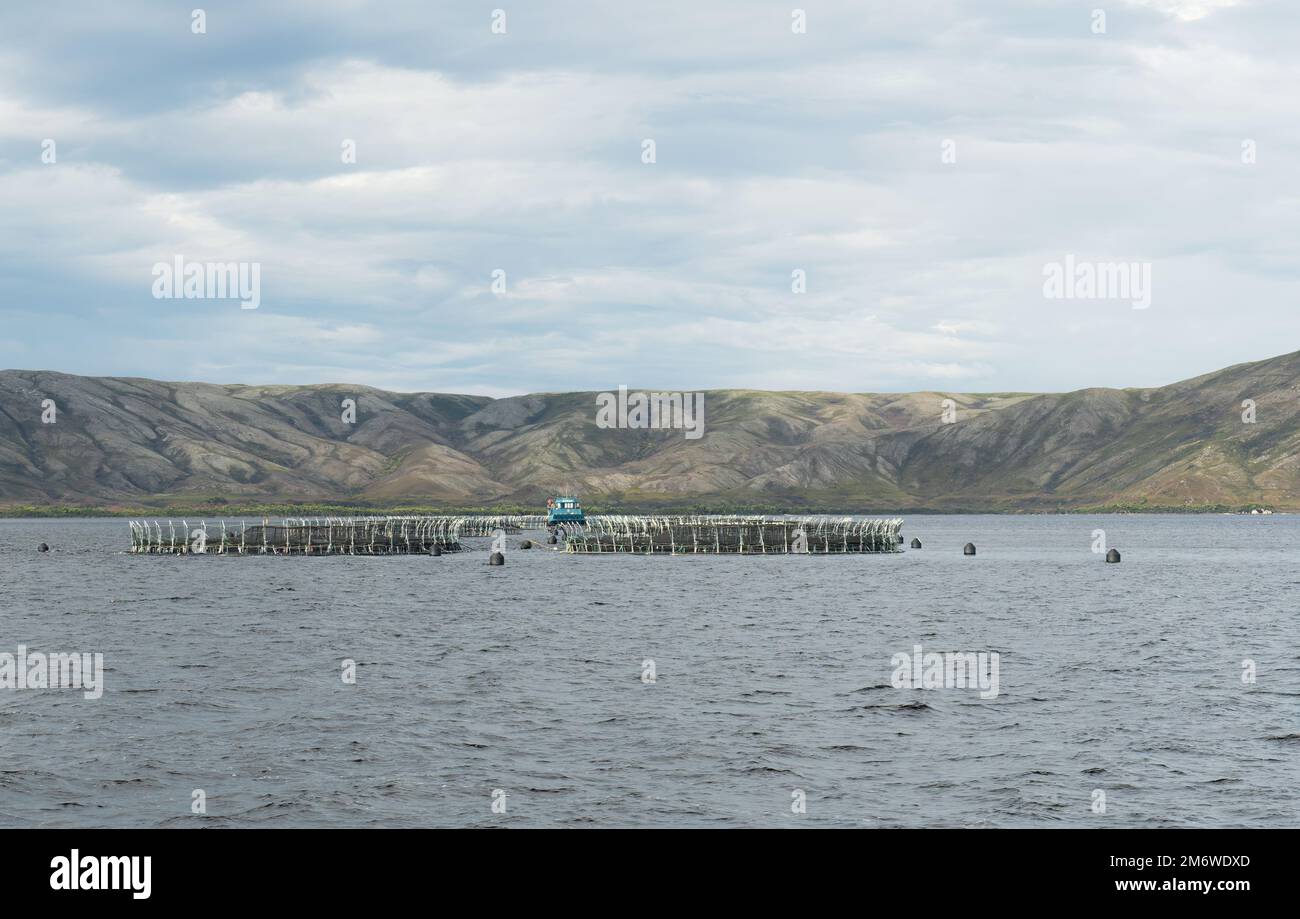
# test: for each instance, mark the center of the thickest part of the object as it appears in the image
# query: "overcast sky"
(775, 151)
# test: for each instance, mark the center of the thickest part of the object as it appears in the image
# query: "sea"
(693, 691)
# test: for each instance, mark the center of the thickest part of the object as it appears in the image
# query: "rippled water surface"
(772, 675)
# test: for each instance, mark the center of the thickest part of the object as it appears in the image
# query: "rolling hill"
(126, 442)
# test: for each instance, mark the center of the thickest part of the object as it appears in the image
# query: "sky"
(871, 202)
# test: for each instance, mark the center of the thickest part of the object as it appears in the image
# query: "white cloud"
(776, 152)
(1186, 10)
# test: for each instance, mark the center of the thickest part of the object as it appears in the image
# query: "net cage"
(739, 535)
(297, 536)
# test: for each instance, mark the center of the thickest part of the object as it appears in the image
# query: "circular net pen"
(735, 535)
(297, 536)
(487, 525)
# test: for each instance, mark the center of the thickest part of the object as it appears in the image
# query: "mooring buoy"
(968, 549)
(436, 550)
(1113, 556)
(916, 543)
(552, 541)
(42, 548)
(526, 544)
(496, 558)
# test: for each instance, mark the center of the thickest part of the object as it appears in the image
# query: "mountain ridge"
(129, 441)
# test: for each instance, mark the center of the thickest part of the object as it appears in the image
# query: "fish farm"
(301, 536)
(734, 535)
(486, 525)
(424, 535)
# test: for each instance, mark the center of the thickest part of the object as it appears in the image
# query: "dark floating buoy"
(552, 541)
(496, 558)
(436, 550)
(968, 549)
(1113, 556)
(916, 543)
(526, 544)
(43, 548)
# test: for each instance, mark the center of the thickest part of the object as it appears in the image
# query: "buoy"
(526, 544)
(916, 543)
(436, 550)
(496, 558)
(1113, 556)
(968, 549)
(552, 541)
(42, 548)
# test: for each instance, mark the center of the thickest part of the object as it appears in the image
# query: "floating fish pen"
(734, 535)
(487, 525)
(298, 536)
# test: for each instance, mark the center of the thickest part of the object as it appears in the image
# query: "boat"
(564, 509)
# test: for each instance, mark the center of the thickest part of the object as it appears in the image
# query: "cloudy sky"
(775, 151)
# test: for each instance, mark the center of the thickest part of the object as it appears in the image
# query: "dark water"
(772, 674)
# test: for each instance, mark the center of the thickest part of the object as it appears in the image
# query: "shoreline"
(77, 512)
